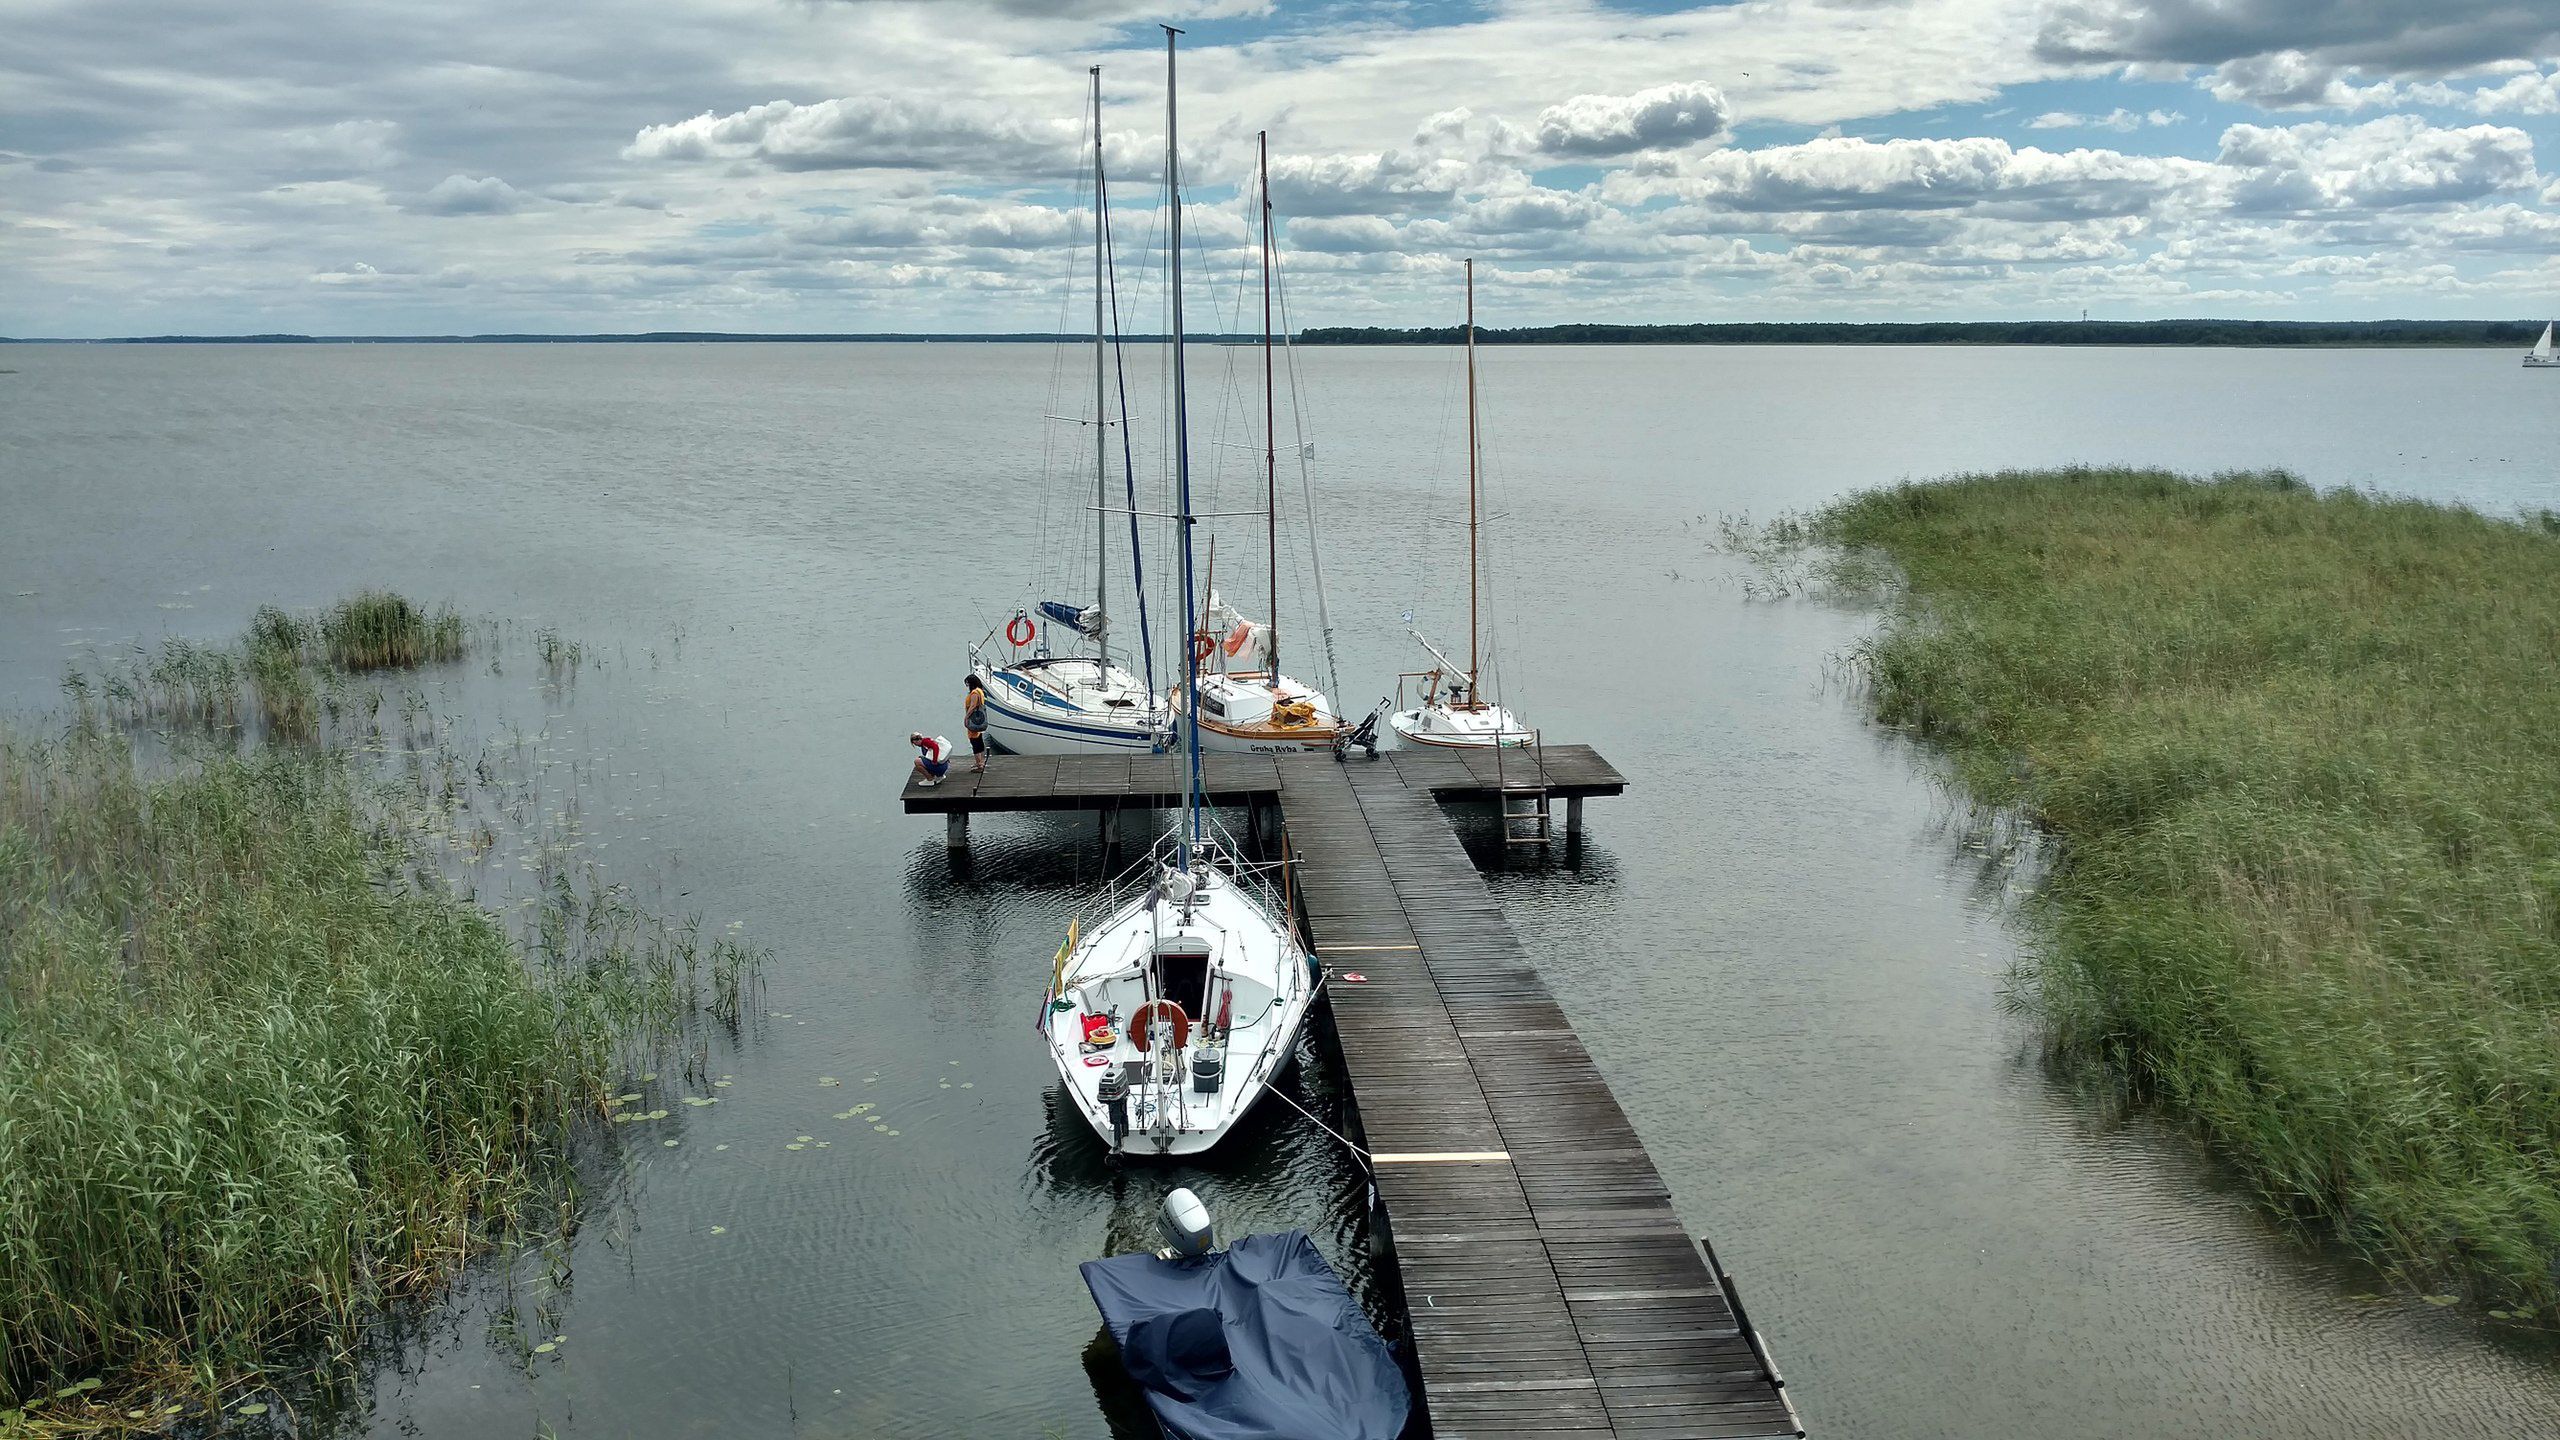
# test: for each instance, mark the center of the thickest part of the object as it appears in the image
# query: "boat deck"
(1551, 1288)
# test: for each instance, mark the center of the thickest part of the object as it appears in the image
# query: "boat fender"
(1020, 631)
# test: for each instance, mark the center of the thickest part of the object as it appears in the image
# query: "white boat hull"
(1028, 717)
(1255, 968)
(1460, 730)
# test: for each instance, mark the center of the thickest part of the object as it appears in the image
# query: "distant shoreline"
(2201, 334)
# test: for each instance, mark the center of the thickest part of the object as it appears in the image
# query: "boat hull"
(1026, 717)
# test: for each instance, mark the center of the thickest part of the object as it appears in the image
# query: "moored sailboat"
(1245, 703)
(2542, 354)
(1452, 711)
(1040, 700)
(1181, 1004)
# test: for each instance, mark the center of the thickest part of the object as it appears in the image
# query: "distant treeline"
(1952, 332)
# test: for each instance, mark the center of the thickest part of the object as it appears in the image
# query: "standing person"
(973, 718)
(933, 760)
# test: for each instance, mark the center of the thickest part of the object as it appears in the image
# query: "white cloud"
(2398, 160)
(2378, 36)
(466, 195)
(2120, 120)
(1666, 117)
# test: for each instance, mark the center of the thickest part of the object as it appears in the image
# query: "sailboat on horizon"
(2542, 354)
(1452, 712)
(1181, 1004)
(1045, 697)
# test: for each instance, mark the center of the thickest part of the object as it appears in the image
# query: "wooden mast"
(1474, 698)
(1270, 437)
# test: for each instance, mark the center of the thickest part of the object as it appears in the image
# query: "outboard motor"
(1188, 1232)
(1114, 1091)
(1364, 735)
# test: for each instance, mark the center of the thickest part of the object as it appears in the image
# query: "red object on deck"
(1226, 1010)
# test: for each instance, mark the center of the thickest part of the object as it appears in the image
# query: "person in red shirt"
(933, 759)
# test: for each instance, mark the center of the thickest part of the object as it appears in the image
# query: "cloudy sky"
(855, 165)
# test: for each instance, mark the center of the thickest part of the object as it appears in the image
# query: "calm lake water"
(1781, 948)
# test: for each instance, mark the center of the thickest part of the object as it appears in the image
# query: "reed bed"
(380, 630)
(263, 1069)
(2302, 755)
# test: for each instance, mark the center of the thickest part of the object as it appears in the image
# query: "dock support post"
(955, 830)
(1573, 819)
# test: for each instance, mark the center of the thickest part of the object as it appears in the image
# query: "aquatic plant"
(262, 1071)
(2302, 755)
(380, 630)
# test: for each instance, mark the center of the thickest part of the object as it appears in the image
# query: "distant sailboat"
(1246, 704)
(2542, 354)
(1172, 1014)
(1452, 712)
(1042, 702)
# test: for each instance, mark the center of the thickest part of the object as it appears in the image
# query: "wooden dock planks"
(1555, 1291)
(1551, 1288)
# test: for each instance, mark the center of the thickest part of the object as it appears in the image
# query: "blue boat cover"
(1256, 1342)
(1084, 620)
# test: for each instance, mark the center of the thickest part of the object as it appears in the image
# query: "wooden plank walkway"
(1089, 782)
(1551, 1288)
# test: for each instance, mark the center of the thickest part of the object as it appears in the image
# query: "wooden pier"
(1551, 1288)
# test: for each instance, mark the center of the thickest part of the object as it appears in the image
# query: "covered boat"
(1256, 1342)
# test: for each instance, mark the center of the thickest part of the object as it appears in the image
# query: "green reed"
(379, 630)
(263, 1072)
(2302, 755)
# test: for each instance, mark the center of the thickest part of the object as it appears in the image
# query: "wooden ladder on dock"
(1526, 817)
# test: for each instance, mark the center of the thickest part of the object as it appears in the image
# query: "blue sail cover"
(1086, 620)
(1256, 1342)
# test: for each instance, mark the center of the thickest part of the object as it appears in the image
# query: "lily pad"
(657, 1114)
(891, 1132)
(719, 1147)
(545, 1348)
(795, 1145)
(652, 1075)
(820, 1144)
(698, 1101)
(719, 1229)
(2440, 1299)
(803, 1139)
(251, 1409)
(720, 1084)
(829, 1080)
(625, 1099)
(671, 1144)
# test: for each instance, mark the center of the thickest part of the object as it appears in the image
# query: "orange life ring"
(1203, 645)
(1019, 632)
(1143, 1024)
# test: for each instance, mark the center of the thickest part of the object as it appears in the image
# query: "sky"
(565, 166)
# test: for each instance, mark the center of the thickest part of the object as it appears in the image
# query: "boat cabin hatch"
(1182, 974)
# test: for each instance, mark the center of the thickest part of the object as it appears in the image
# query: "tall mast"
(1101, 430)
(1182, 460)
(1270, 429)
(1473, 698)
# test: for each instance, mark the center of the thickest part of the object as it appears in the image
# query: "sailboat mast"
(1182, 458)
(1101, 430)
(1270, 425)
(1473, 698)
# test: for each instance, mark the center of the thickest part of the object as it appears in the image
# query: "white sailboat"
(1172, 1013)
(1045, 699)
(1245, 703)
(1452, 711)
(2542, 354)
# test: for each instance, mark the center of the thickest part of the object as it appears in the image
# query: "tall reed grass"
(262, 1070)
(380, 630)
(2302, 754)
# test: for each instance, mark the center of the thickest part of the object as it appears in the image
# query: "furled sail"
(1085, 620)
